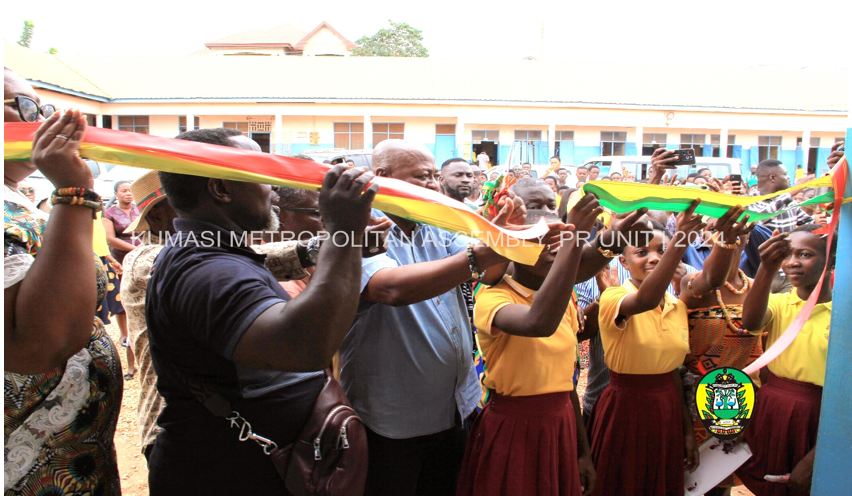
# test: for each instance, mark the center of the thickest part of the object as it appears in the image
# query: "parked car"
(639, 166)
(362, 158)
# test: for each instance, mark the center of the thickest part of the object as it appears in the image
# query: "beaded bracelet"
(474, 273)
(88, 194)
(96, 206)
(727, 246)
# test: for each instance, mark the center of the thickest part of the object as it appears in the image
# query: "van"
(105, 175)
(362, 158)
(639, 166)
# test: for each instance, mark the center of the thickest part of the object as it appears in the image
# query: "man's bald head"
(391, 153)
(406, 161)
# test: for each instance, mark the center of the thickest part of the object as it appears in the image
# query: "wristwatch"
(605, 252)
(313, 249)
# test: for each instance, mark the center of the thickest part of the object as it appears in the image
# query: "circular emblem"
(725, 399)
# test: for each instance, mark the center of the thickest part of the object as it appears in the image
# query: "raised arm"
(46, 323)
(654, 286)
(729, 234)
(662, 160)
(772, 255)
(542, 318)
(624, 227)
(407, 284)
(304, 334)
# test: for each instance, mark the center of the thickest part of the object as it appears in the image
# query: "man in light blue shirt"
(406, 364)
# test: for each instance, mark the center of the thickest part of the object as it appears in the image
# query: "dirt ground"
(131, 462)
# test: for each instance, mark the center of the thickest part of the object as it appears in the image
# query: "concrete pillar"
(190, 122)
(461, 151)
(551, 142)
(278, 146)
(368, 133)
(99, 120)
(723, 143)
(115, 122)
(806, 150)
(640, 137)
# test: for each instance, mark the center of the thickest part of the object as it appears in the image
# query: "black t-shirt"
(205, 291)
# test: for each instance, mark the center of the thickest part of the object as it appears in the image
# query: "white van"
(106, 175)
(639, 165)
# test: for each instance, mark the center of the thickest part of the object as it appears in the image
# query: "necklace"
(739, 330)
(732, 289)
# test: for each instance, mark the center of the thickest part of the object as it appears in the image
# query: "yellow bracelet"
(728, 246)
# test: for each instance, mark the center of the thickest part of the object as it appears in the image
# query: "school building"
(290, 104)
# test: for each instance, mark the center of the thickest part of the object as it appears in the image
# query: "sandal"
(128, 376)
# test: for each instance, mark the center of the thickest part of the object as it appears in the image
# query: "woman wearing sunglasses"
(62, 373)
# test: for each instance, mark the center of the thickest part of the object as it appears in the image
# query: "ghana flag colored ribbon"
(201, 159)
(623, 197)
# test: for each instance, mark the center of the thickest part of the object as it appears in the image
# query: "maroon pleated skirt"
(522, 445)
(637, 437)
(782, 431)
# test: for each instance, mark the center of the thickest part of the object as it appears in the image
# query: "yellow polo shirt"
(99, 240)
(654, 342)
(804, 359)
(523, 366)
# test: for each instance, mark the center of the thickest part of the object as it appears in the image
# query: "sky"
(722, 32)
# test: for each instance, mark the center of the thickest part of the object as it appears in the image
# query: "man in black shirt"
(218, 318)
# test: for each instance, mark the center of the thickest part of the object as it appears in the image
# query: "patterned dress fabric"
(120, 221)
(58, 426)
(134, 287)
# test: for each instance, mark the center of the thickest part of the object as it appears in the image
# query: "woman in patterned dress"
(115, 220)
(62, 378)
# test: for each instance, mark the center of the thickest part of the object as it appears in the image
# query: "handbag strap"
(217, 404)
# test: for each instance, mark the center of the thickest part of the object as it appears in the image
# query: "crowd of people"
(462, 365)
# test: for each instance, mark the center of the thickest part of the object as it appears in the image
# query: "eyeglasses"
(27, 191)
(28, 109)
(312, 211)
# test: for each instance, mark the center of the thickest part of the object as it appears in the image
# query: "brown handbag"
(329, 457)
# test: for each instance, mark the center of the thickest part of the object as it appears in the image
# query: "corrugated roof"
(50, 69)
(427, 79)
(283, 34)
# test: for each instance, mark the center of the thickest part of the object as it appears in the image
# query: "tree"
(401, 40)
(27, 34)
(53, 51)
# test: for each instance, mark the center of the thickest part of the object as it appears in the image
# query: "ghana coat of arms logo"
(725, 399)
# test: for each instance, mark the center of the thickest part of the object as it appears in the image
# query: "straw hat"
(147, 192)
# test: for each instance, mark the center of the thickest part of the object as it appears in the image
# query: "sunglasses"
(28, 109)
(25, 191)
(312, 211)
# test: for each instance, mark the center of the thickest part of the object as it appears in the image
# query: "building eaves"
(426, 80)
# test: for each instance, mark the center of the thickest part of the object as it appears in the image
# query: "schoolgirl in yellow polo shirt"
(530, 437)
(782, 433)
(640, 428)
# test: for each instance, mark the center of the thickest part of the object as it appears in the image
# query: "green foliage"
(708, 415)
(53, 51)
(741, 398)
(709, 404)
(401, 40)
(27, 34)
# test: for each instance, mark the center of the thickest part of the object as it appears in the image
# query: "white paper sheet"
(715, 465)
